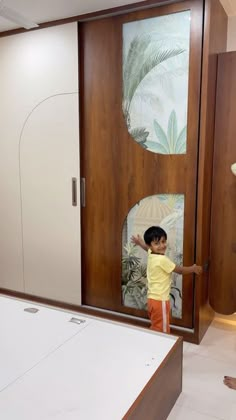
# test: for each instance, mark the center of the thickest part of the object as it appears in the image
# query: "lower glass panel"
(167, 211)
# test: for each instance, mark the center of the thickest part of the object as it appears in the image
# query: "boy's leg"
(159, 314)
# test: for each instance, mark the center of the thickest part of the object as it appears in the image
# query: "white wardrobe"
(39, 164)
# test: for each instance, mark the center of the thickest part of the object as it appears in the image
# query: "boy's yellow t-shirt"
(159, 269)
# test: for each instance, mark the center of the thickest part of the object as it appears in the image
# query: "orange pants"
(159, 314)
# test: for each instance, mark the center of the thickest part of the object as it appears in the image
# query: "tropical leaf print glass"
(155, 81)
(167, 211)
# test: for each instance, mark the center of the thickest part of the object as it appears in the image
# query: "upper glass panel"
(155, 81)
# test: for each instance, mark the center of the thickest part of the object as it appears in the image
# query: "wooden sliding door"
(222, 291)
(138, 154)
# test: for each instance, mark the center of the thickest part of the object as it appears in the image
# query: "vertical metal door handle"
(74, 192)
(206, 266)
(82, 189)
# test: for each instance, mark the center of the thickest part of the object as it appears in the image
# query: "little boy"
(159, 269)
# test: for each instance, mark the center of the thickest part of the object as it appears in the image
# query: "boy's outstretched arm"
(137, 240)
(197, 269)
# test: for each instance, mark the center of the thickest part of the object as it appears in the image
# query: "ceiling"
(41, 11)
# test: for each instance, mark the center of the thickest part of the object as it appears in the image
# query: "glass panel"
(155, 81)
(167, 211)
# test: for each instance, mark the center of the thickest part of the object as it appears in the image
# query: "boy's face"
(158, 247)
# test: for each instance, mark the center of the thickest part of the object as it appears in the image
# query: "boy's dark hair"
(154, 233)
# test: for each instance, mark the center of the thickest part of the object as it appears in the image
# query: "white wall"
(34, 66)
(231, 38)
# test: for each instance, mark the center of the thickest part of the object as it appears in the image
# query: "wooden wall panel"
(222, 289)
(214, 42)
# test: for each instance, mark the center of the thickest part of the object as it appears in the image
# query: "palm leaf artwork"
(170, 142)
(140, 134)
(134, 277)
(174, 201)
(143, 56)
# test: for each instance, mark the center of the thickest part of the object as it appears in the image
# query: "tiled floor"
(31, 357)
(204, 395)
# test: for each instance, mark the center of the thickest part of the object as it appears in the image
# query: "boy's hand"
(137, 240)
(197, 269)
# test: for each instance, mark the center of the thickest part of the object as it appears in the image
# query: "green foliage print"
(134, 279)
(143, 56)
(170, 142)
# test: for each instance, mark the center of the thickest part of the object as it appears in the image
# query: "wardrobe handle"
(74, 192)
(82, 189)
(206, 266)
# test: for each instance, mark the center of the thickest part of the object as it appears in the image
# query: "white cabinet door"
(49, 159)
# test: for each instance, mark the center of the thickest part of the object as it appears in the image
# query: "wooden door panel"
(222, 291)
(119, 172)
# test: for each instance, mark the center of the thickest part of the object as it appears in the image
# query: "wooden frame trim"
(146, 4)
